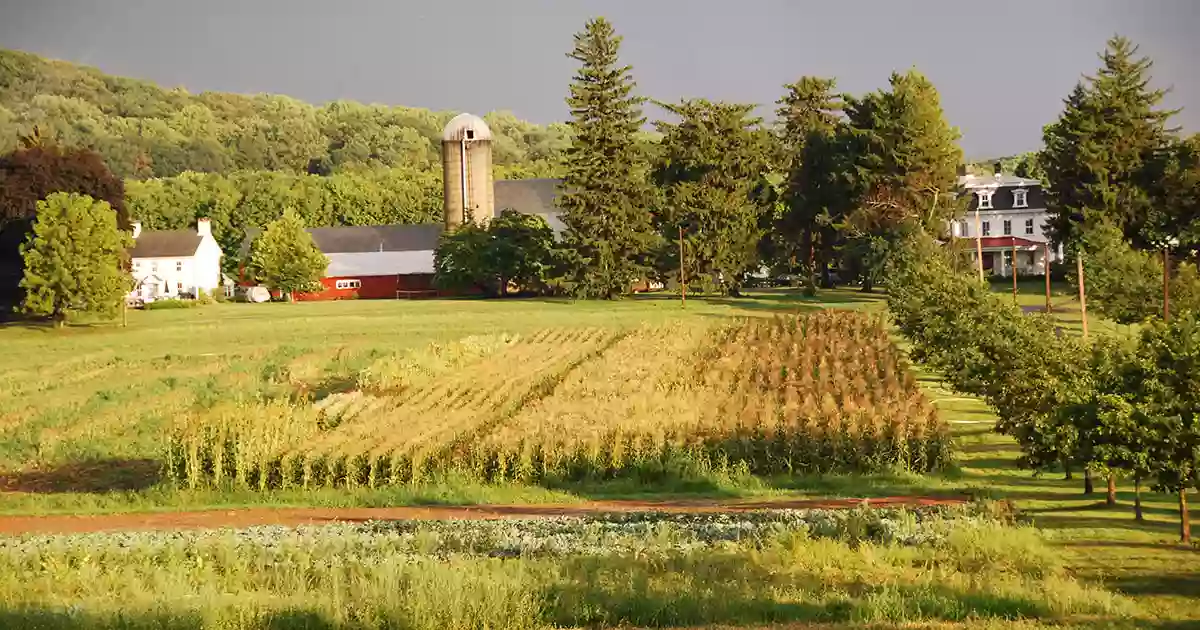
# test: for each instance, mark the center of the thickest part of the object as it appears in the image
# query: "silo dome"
(466, 127)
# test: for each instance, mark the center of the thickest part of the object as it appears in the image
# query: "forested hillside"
(144, 131)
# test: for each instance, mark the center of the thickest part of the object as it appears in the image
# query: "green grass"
(650, 571)
(83, 411)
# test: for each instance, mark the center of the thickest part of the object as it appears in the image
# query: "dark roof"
(527, 196)
(356, 239)
(165, 244)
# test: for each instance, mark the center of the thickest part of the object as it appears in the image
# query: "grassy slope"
(66, 404)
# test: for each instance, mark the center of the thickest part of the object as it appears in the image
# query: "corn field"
(822, 393)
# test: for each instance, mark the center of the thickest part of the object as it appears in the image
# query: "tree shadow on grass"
(98, 476)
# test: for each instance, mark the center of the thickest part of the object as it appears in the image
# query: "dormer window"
(1020, 198)
(985, 200)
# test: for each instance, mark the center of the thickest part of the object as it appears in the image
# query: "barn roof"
(527, 196)
(165, 244)
(360, 239)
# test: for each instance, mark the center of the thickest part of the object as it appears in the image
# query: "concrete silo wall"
(479, 182)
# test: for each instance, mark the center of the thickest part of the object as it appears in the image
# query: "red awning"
(1006, 241)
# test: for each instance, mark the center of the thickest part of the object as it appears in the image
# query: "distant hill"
(144, 131)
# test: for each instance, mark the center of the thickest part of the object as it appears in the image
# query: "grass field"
(89, 410)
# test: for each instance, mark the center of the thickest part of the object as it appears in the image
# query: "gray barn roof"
(527, 196)
(165, 244)
(357, 239)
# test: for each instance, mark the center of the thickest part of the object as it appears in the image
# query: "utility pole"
(979, 244)
(682, 277)
(1082, 293)
(1166, 284)
(1014, 267)
(1046, 269)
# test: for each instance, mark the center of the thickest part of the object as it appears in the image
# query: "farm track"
(250, 517)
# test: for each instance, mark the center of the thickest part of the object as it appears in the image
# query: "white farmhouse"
(1006, 214)
(168, 264)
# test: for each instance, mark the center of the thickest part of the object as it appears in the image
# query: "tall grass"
(469, 575)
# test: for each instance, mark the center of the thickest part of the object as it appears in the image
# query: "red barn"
(396, 261)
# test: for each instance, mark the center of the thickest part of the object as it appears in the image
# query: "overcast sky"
(1002, 66)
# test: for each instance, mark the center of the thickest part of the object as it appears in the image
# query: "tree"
(28, 176)
(512, 249)
(74, 259)
(1168, 395)
(1096, 151)
(606, 196)
(907, 155)
(818, 193)
(905, 165)
(708, 169)
(285, 258)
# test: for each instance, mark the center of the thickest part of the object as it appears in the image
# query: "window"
(987, 228)
(1007, 227)
(1028, 227)
(985, 200)
(1031, 260)
(179, 287)
(137, 264)
(154, 267)
(1020, 198)
(179, 265)
(348, 284)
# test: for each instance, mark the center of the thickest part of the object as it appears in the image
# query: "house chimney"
(137, 229)
(203, 227)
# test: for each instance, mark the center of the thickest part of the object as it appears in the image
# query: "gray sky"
(1002, 66)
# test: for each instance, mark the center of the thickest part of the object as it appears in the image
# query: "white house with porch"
(174, 263)
(1006, 211)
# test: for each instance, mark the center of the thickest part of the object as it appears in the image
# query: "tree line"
(143, 131)
(723, 194)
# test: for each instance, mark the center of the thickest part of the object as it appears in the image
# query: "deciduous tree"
(74, 259)
(284, 257)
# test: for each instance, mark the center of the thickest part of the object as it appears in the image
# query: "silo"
(467, 171)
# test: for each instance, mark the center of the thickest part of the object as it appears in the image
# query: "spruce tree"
(1096, 153)
(284, 257)
(73, 259)
(711, 162)
(607, 196)
(817, 195)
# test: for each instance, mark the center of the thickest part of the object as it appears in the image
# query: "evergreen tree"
(1096, 152)
(817, 195)
(710, 164)
(905, 157)
(284, 257)
(73, 259)
(607, 195)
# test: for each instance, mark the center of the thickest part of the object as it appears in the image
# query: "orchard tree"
(74, 259)
(711, 161)
(285, 258)
(1096, 152)
(607, 196)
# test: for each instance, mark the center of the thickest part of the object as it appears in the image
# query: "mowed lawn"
(86, 410)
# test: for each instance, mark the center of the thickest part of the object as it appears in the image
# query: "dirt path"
(213, 519)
